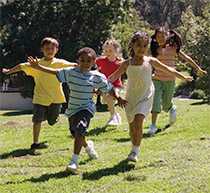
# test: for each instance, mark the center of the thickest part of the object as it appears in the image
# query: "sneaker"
(42, 145)
(72, 167)
(113, 121)
(152, 130)
(118, 118)
(133, 157)
(172, 115)
(90, 150)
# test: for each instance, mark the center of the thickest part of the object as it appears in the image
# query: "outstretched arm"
(35, 64)
(157, 64)
(15, 69)
(192, 63)
(70, 64)
(120, 101)
(121, 70)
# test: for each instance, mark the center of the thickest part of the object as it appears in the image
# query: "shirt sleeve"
(103, 84)
(63, 75)
(64, 64)
(25, 67)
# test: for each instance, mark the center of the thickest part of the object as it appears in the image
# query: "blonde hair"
(116, 46)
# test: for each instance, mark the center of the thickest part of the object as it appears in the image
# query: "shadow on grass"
(43, 178)
(145, 135)
(121, 167)
(204, 102)
(122, 140)
(18, 153)
(85, 161)
(46, 177)
(102, 108)
(99, 130)
(17, 113)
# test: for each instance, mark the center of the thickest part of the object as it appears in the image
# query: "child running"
(140, 89)
(165, 46)
(108, 63)
(82, 83)
(48, 95)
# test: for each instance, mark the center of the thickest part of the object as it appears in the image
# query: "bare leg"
(110, 102)
(79, 142)
(154, 118)
(36, 131)
(136, 129)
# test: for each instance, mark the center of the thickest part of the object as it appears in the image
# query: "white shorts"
(144, 107)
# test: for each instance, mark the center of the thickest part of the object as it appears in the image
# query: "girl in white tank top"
(140, 89)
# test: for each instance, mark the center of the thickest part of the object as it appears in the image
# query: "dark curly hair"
(136, 36)
(86, 50)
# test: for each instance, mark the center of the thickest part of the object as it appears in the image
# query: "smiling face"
(161, 37)
(86, 61)
(109, 50)
(140, 46)
(49, 50)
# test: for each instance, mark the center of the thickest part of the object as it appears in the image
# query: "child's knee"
(52, 122)
(78, 136)
(167, 107)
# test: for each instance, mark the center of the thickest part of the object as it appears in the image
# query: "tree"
(75, 23)
(168, 12)
(162, 12)
(195, 31)
(123, 30)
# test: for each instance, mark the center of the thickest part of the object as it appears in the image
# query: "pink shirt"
(167, 56)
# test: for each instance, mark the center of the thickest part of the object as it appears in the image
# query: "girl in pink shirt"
(107, 64)
(166, 47)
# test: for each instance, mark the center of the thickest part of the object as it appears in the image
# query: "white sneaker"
(152, 130)
(91, 150)
(72, 167)
(114, 120)
(118, 118)
(172, 115)
(132, 157)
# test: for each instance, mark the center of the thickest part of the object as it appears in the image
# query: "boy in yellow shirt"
(48, 94)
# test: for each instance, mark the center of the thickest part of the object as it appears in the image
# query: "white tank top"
(140, 86)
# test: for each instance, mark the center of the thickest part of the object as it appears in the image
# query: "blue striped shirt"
(82, 85)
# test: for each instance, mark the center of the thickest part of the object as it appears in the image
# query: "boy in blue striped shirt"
(82, 83)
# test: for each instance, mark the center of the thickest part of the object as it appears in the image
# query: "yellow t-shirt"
(47, 89)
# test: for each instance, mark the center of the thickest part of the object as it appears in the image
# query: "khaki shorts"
(43, 113)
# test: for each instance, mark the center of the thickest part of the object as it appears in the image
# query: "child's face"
(161, 38)
(109, 50)
(140, 46)
(49, 50)
(86, 61)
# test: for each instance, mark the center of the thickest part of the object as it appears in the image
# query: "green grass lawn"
(176, 160)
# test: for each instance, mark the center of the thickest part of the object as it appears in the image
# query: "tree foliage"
(75, 23)
(195, 31)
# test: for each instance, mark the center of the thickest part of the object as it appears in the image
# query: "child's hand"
(121, 102)
(97, 92)
(188, 78)
(6, 71)
(201, 72)
(33, 61)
